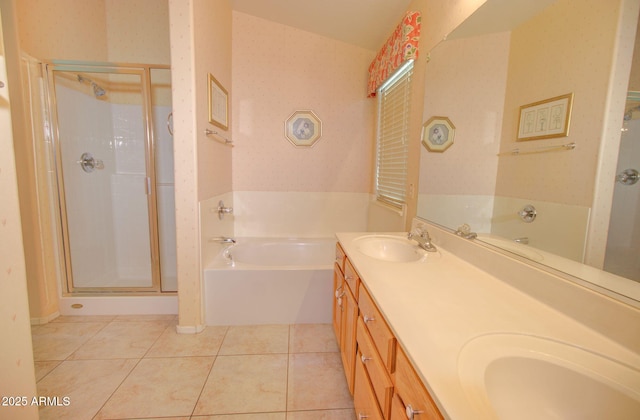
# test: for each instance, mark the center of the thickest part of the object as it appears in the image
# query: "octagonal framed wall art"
(437, 134)
(303, 128)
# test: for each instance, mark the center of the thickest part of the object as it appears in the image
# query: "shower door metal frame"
(144, 71)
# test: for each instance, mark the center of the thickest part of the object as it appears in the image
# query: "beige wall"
(212, 46)
(137, 31)
(554, 40)
(133, 31)
(470, 165)
(279, 69)
(200, 44)
(442, 17)
(16, 352)
(63, 29)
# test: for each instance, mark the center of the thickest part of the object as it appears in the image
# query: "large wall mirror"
(587, 208)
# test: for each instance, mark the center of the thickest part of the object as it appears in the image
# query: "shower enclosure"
(623, 242)
(109, 156)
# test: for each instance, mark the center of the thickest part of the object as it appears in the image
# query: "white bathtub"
(271, 281)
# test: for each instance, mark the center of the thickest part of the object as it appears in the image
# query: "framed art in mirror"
(437, 134)
(218, 104)
(303, 128)
(545, 119)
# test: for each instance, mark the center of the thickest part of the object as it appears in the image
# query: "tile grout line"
(60, 362)
(128, 374)
(204, 384)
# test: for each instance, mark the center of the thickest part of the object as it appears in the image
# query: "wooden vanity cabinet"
(345, 313)
(381, 378)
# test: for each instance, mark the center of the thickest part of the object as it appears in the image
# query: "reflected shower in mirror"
(487, 179)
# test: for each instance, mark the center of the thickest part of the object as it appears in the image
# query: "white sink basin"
(511, 376)
(390, 248)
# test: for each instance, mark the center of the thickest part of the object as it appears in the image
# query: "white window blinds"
(393, 137)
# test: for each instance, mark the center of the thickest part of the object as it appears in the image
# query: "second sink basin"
(525, 377)
(390, 248)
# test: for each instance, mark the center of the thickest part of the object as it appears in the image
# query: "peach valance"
(400, 47)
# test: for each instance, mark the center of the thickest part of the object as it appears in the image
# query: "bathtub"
(270, 281)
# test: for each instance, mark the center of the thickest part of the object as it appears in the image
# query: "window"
(393, 137)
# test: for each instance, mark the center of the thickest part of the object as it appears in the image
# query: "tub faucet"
(421, 236)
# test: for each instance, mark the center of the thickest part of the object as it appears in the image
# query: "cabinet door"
(413, 394)
(338, 299)
(398, 410)
(364, 400)
(348, 340)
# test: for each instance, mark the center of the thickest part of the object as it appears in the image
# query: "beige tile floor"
(138, 367)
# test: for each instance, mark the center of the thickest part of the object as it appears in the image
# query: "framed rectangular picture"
(218, 104)
(545, 119)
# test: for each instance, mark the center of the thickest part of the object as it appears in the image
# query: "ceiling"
(366, 23)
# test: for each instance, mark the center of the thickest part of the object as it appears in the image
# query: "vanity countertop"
(437, 306)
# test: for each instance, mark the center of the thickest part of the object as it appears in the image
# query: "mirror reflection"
(556, 201)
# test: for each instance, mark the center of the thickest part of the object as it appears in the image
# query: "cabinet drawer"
(364, 399)
(340, 256)
(380, 381)
(378, 329)
(411, 390)
(351, 277)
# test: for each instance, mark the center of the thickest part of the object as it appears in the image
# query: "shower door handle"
(628, 177)
(88, 163)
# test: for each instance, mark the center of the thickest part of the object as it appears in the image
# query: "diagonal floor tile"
(121, 340)
(172, 344)
(87, 383)
(256, 416)
(312, 338)
(317, 382)
(348, 414)
(56, 341)
(245, 384)
(256, 339)
(159, 387)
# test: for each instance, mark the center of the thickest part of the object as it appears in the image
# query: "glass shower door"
(623, 242)
(106, 201)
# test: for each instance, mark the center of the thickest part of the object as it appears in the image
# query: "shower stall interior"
(106, 163)
(623, 242)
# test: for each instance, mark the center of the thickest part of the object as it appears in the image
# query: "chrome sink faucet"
(421, 236)
(465, 232)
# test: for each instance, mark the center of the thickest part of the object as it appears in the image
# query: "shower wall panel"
(129, 200)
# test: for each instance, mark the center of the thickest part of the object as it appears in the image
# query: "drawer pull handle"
(348, 277)
(364, 358)
(410, 412)
(368, 318)
(362, 416)
(338, 292)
